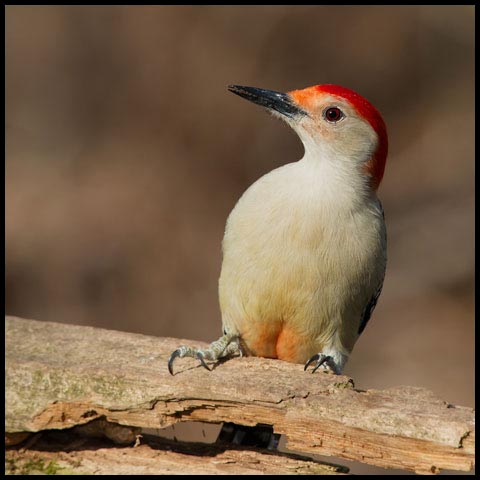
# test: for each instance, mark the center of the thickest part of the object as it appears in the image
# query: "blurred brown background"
(125, 153)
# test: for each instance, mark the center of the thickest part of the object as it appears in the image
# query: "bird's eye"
(333, 114)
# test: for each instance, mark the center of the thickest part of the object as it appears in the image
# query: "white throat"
(339, 179)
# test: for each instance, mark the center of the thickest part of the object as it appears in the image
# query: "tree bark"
(60, 376)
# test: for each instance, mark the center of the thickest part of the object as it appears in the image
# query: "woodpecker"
(304, 250)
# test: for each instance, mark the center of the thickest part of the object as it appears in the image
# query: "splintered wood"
(60, 376)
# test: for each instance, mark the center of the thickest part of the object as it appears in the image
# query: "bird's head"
(333, 122)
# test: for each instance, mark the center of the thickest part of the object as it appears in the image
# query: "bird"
(305, 247)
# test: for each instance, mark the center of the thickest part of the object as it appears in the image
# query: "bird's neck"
(340, 182)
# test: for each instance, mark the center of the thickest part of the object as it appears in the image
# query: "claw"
(173, 356)
(202, 361)
(224, 346)
(181, 352)
(320, 358)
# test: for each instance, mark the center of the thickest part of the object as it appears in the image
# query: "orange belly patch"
(261, 341)
(270, 342)
(290, 346)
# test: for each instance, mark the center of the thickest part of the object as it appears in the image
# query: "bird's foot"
(325, 361)
(227, 345)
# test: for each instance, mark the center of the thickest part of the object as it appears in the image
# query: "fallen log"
(60, 376)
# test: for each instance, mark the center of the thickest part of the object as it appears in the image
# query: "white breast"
(302, 251)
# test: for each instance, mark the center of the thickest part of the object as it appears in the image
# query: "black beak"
(280, 102)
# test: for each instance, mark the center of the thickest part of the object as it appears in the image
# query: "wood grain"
(59, 376)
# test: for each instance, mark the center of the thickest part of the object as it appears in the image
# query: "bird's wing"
(370, 306)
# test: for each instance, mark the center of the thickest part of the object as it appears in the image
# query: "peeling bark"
(59, 376)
